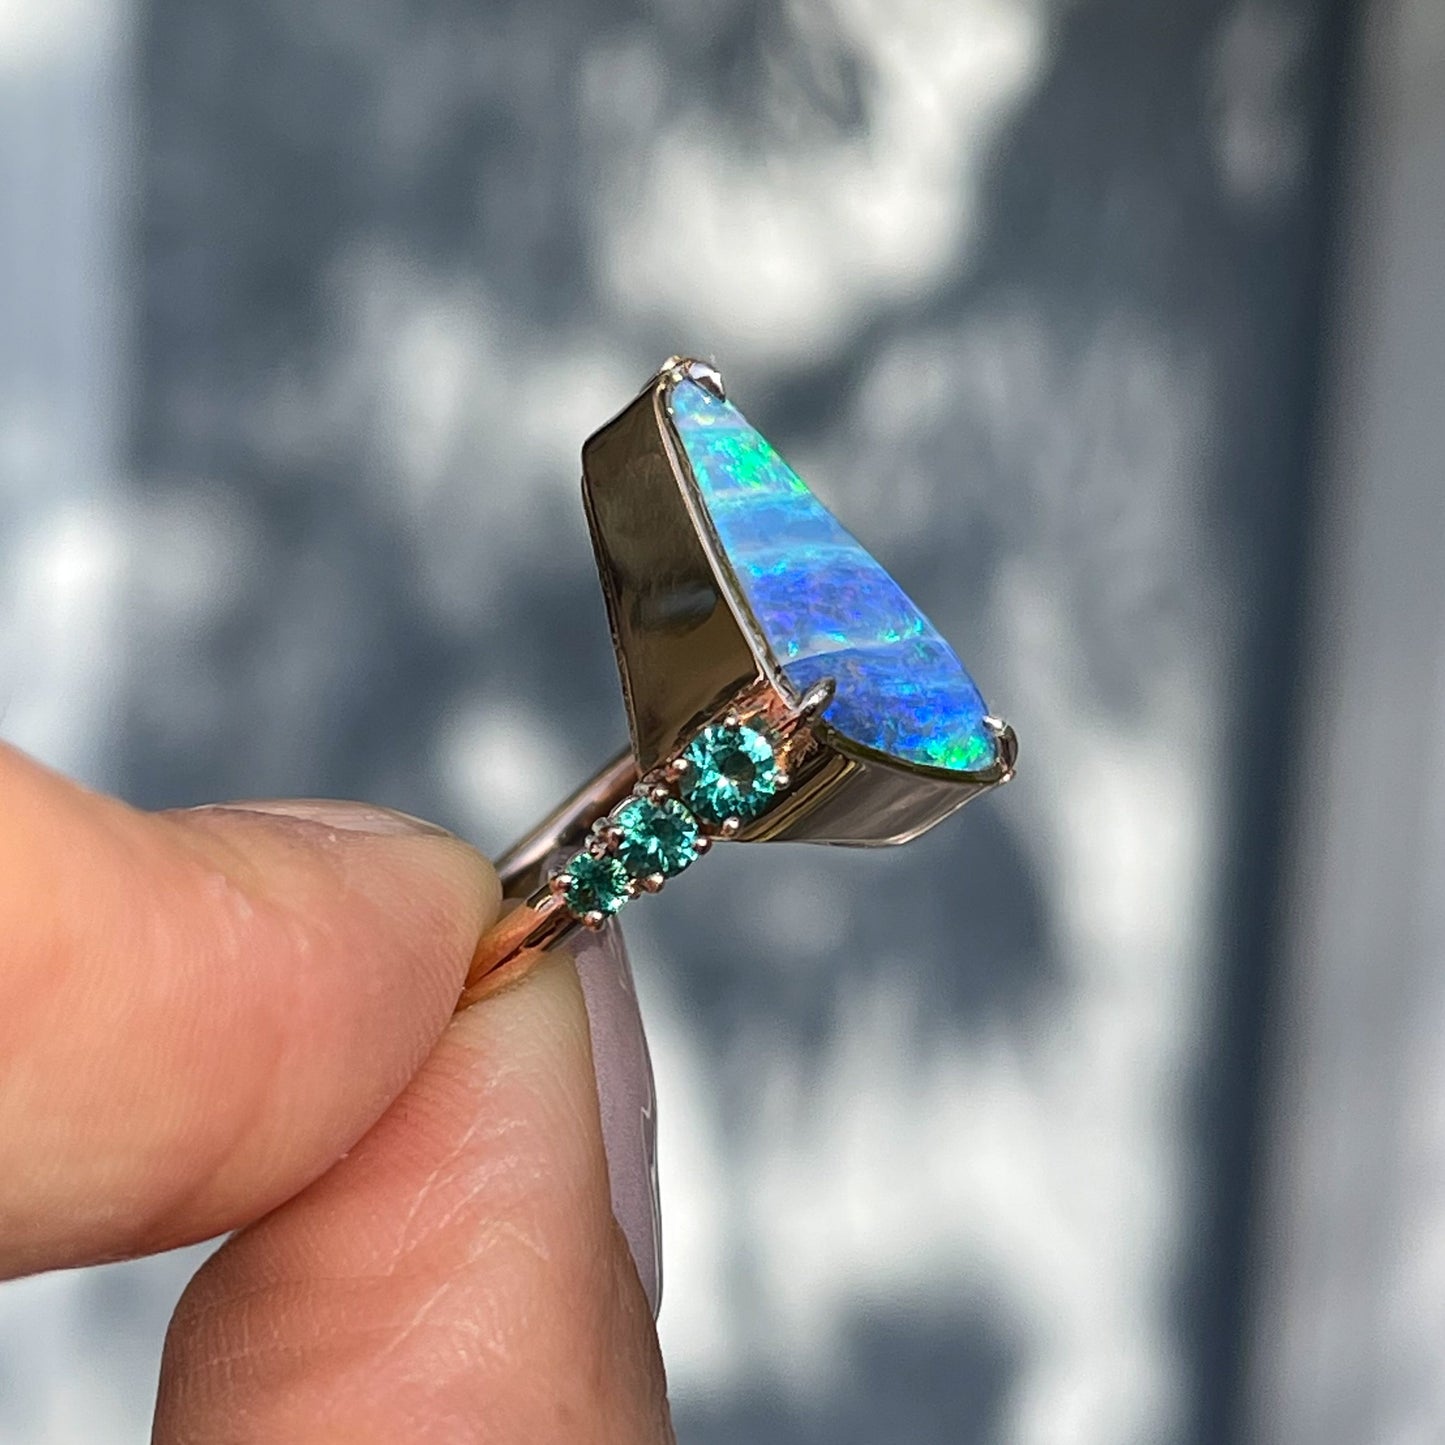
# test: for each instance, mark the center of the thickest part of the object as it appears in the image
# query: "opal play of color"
(825, 606)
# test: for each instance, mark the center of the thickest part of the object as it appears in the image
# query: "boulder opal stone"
(825, 607)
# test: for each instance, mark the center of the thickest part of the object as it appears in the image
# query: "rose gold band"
(534, 918)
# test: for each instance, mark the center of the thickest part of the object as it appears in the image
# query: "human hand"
(230, 1019)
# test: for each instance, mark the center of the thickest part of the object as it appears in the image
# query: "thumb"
(458, 1277)
(199, 1012)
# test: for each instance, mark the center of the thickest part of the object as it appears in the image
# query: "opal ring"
(779, 684)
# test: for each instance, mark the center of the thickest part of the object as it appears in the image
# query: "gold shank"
(516, 941)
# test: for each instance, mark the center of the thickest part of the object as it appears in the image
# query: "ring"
(779, 684)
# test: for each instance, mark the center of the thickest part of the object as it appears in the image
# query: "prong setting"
(746, 758)
(731, 771)
(708, 376)
(704, 373)
(1008, 747)
(816, 699)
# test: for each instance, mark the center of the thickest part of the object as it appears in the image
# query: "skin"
(232, 1020)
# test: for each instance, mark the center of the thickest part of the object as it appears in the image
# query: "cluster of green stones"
(726, 776)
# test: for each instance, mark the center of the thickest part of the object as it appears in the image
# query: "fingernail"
(329, 813)
(626, 1097)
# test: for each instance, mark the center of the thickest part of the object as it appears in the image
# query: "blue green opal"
(826, 608)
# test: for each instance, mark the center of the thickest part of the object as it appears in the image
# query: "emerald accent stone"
(598, 885)
(826, 608)
(657, 837)
(731, 773)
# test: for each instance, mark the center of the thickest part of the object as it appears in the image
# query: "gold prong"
(677, 769)
(702, 845)
(560, 882)
(732, 722)
(707, 375)
(817, 698)
(593, 920)
(659, 793)
(653, 882)
(782, 780)
(1008, 747)
(730, 827)
(611, 833)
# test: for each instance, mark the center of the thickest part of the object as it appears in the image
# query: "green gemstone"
(657, 837)
(598, 885)
(731, 773)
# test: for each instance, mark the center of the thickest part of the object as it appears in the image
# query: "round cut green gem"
(731, 773)
(598, 885)
(657, 837)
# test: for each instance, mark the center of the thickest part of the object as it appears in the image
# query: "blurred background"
(1112, 1112)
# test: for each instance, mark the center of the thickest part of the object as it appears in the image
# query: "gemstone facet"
(656, 837)
(732, 772)
(825, 607)
(597, 885)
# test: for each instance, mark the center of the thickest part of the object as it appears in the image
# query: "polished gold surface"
(680, 650)
(514, 942)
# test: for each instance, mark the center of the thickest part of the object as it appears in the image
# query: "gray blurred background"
(1113, 1112)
